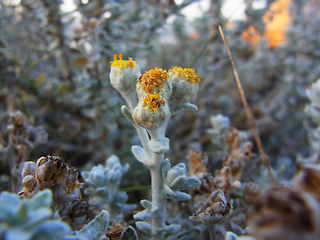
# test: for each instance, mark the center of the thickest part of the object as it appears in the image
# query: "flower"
(153, 101)
(151, 112)
(121, 64)
(124, 74)
(154, 80)
(184, 85)
(186, 73)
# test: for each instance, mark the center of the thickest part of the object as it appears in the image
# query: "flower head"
(121, 64)
(186, 73)
(123, 77)
(184, 86)
(151, 112)
(154, 80)
(153, 101)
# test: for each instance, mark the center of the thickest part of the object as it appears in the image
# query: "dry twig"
(263, 156)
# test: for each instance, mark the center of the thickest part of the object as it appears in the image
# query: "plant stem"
(158, 197)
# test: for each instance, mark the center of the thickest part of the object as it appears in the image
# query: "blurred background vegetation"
(54, 68)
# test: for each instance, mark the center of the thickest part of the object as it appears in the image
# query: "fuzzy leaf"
(232, 236)
(181, 196)
(146, 204)
(127, 207)
(112, 161)
(129, 234)
(42, 199)
(8, 205)
(177, 171)
(165, 167)
(52, 229)
(144, 215)
(127, 113)
(172, 230)
(190, 182)
(140, 154)
(85, 174)
(144, 227)
(96, 228)
(177, 183)
(15, 234)
(187, 107)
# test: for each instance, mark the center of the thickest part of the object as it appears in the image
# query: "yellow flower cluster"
(153, 101)
(121, 64)
(152, 79)
(187, 73)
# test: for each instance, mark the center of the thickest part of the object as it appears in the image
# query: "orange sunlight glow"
(276, 19)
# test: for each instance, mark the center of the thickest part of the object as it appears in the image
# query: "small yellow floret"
(187, 73)
(122, 63)
(153, 101)
(153, 78)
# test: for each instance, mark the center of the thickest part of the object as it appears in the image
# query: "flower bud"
(151, 112)
(124, 74)
(184, 85)
(154, 81)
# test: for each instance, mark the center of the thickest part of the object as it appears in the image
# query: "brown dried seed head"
(222, 180)
(308, 180)
(16, 118)
(72, 180)
(29, 182)
(231, 137)
(251, 192)
(195, 163)
(115, 230)
(214, 210)
(284, 213)
(51, 170)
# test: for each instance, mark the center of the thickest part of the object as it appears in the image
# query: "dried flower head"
(198, 169)
(115, 230)
(71, 180)
(308, 180)
(231, 137)
(214, 210)
(154, 80)
(50, 170)
(223, 180)
(29, 183)
(284, 213)
(16, 118)
(251, 192)
(196, 165)
(240, 151)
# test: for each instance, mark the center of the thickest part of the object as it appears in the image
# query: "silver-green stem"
(132, 100)
(158, 197)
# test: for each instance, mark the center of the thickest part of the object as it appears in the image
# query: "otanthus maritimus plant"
(159, 94)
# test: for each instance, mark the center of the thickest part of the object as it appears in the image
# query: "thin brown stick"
(263, 156)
